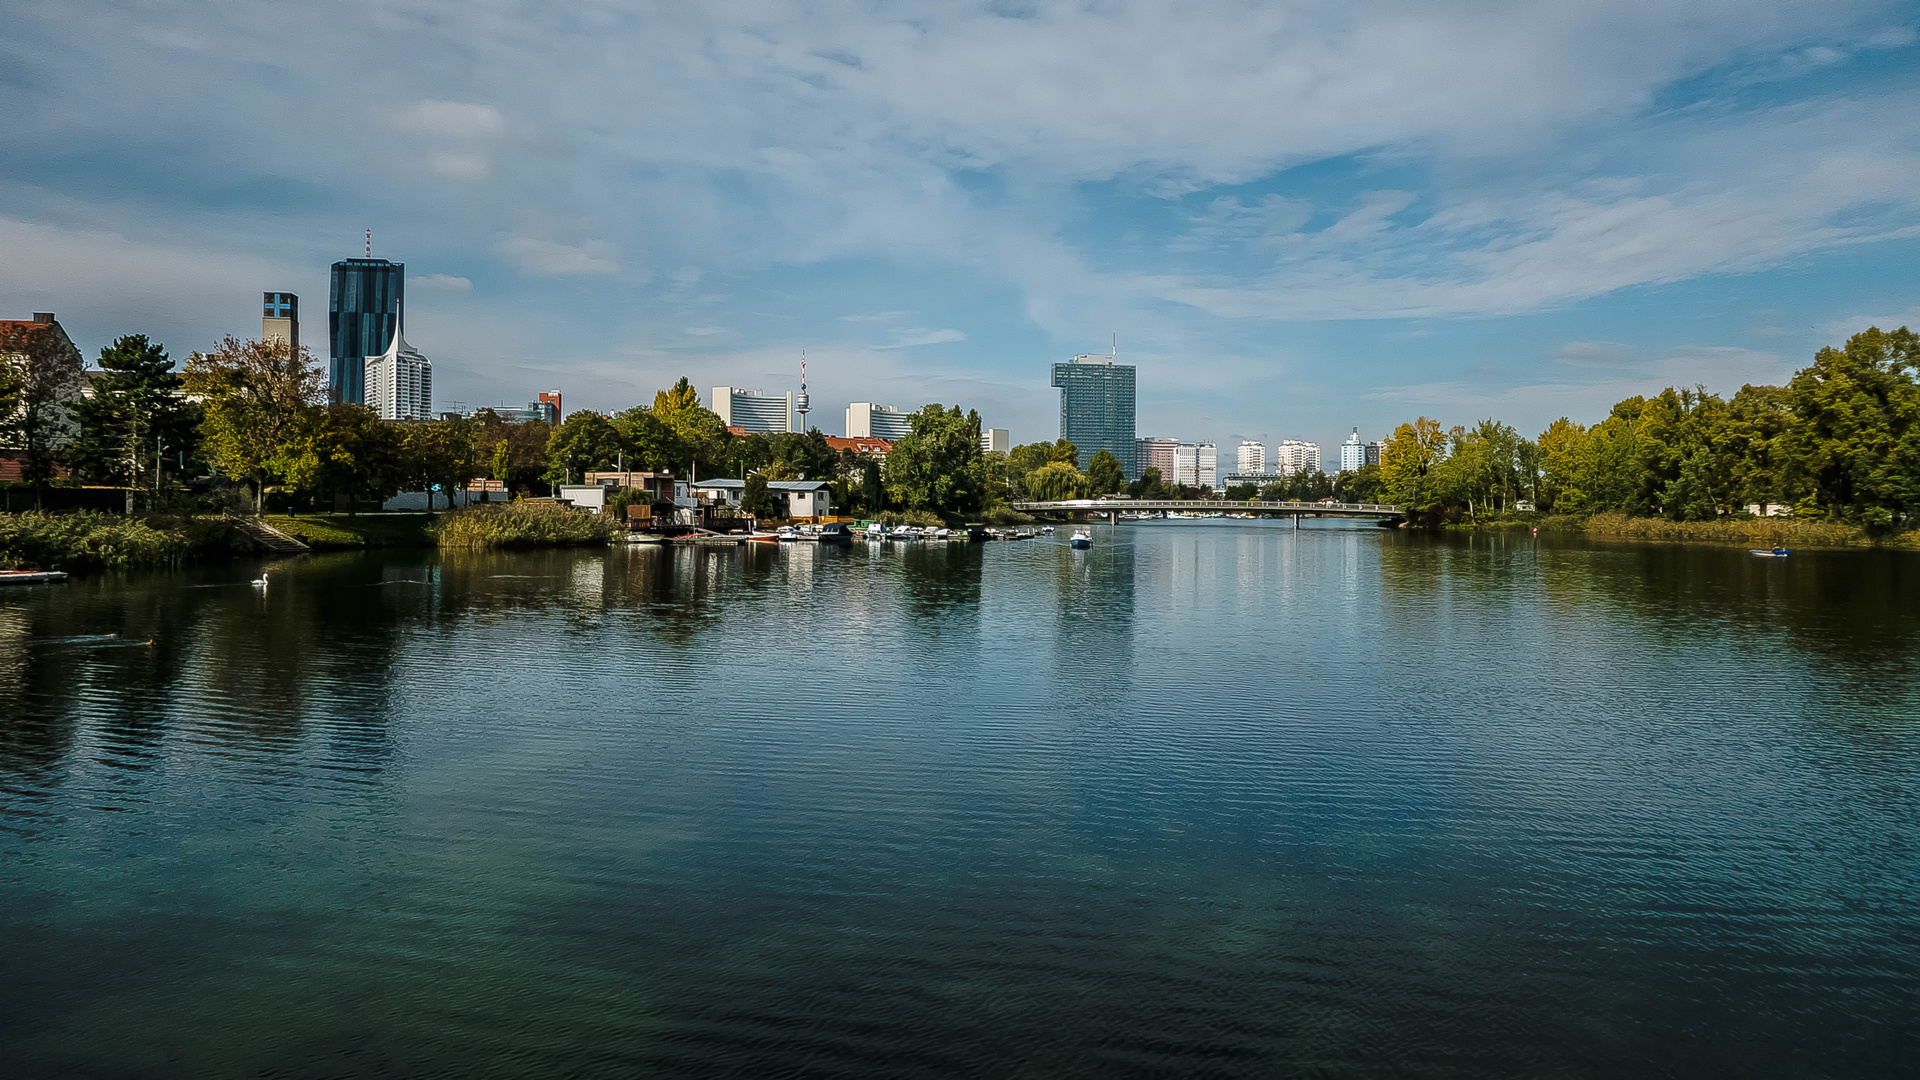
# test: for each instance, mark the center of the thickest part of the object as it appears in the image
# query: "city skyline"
(1298, 220)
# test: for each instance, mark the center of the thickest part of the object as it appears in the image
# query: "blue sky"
(1297, 217)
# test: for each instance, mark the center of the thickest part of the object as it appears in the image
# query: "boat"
(1081, 539)
(940, 534)
(1776, 553)
(876, 531)
(32, 577)
(834, 533)
(786, 533)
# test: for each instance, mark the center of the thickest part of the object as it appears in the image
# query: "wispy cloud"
(440, 282)
(910, 339)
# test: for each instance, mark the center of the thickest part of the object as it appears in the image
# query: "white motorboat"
(1081, 539)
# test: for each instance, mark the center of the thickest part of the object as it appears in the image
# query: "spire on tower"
(369, 243)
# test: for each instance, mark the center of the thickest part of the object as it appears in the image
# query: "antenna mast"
(800, 405)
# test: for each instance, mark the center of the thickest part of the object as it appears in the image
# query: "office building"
(545, 409)
(398, 383)
(365, 315)
(996, 440)
(753, 412)
(1156, 454)
(548, 402)
(1294, 455)
(865, 420)
(1196, 465)
(1353, 453)
(1252, 458)
(280, 318)
(1096, 408)
(1375, 451)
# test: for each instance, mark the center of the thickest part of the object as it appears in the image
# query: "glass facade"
(365, 309)
(1096, 409)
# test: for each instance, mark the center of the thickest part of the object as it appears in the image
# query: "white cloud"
(452, 119)
(541, 257)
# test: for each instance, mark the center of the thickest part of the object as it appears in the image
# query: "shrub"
(1007, 515)
(87, 541)
(522, 524)
(925, 519)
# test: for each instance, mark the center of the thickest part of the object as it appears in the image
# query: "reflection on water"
(1213, 797)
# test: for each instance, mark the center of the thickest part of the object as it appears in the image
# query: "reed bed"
(88, 541)
(522, 525)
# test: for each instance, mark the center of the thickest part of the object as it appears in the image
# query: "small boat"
(834, 533)
(940, 534)
(1081, 539)
(876, 531)
(786, 533)
(763, 538)
(32, 577)
(1776, 553)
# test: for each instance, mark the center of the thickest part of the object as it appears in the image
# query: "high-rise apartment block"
(1153, 453)
(1252, 458)
(398, 383)
(1375, 451)
(865, 420)
(1353, 452)
(996, 440)
(280, 318)
(1294, 456)
(1196, 465)
(1096, 409)
(752, 411)
(365, 317)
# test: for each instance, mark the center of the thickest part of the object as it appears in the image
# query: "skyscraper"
(1196, 465)
(752, 411)
(1353, 453)
(1152, 453)
(1295, 455)
(1096, 408)
(280, 318)
(365, 315)
(399, 383)
(1253, 458)
(996, 440)
(865, 420)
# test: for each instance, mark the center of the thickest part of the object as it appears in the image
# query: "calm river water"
(1214, 798)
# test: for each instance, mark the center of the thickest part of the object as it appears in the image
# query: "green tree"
(938, 465)
(873, 493)
(346, 450)
(1149, 486)
(134, 419)
(653, 443)
(756, 500)
(1360, 485)
(1408, 460)
(1690, 496)
(1055, 481)
(586, 442)
(1857, 436)
(1562, 452)
(1104, 475)
(256, 396)
(1242, 492)
(443, 454)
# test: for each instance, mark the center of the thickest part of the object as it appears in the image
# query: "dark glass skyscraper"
(365, 308)
(1096, 409)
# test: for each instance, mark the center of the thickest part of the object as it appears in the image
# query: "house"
(59, 381)
(804, 498)
(871, 447)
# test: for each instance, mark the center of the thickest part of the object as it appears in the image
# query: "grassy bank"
(1751, 532)
(89, 541)
(521, 525)
(342, 532)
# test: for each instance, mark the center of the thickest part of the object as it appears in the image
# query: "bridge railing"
(1108, 506)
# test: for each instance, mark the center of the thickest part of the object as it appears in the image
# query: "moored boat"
(1081, 539)
(1775, 553)
(32, 577)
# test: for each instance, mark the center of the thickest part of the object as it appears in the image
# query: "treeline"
(1840, 442)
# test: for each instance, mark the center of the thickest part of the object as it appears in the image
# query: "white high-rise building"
(1196, 465)
(996, 440)
(752, 411)
(1294, 455)
(399, 382)
(865, 420)
(1253, 458)
(1353, 453)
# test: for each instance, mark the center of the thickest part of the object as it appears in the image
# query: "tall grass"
(520, 524)
(925, 519)
(88, 541)
(1752, 531)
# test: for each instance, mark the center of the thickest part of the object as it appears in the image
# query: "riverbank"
(345, 532)
(1750, 532)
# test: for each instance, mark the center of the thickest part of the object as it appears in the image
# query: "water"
(1214, 798)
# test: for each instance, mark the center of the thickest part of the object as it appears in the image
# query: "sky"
(1295, 218)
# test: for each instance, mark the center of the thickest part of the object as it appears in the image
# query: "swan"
(259, 582)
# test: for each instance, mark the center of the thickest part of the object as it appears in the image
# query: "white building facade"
(996, 440)
(399, 383)
(1252, 458)
(1353, 453)
(752, 411)
(1295, 455)
(865, 420)
(1196, 465)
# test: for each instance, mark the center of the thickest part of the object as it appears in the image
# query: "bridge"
(1115, 507)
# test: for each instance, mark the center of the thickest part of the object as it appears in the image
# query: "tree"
(134, 413)
(1055, 481)
(1857, 436)
(442, 452)
(587, 442)
(700, 436)
(1408, 460)
(653, 443)
(1242, 493)
(346, 450)
(1562, 448)
(1104, 475)
(1360, 485)
(1690, 496)
(256, 395)
(1149, 486)
(756, 500)
(873, 493)
(938, 465)
(516, 454)
(41, 381)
